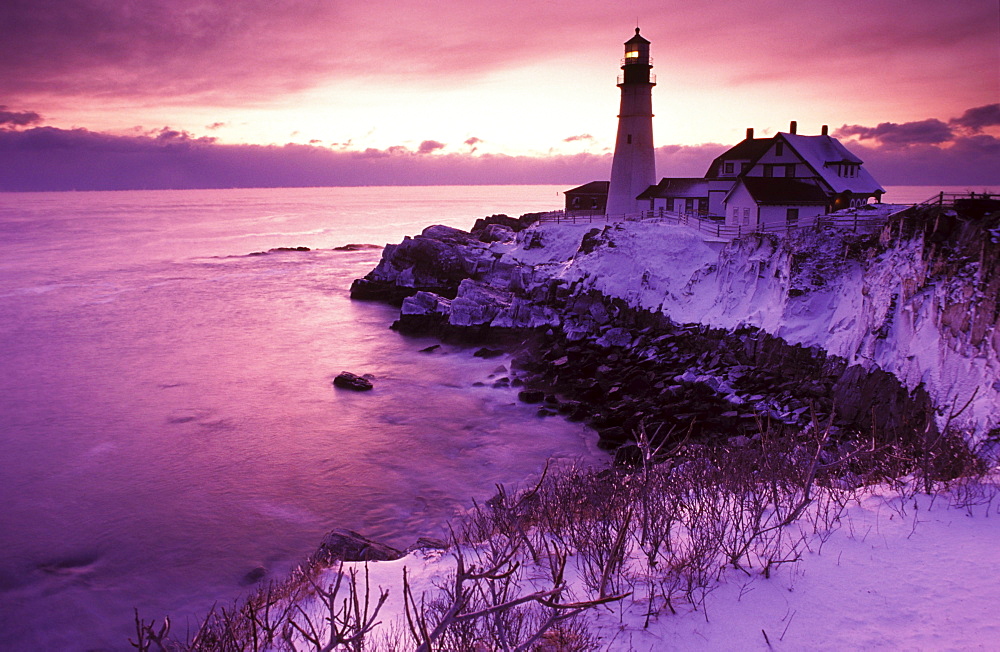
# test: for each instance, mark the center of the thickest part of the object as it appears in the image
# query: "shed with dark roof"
(589, 198)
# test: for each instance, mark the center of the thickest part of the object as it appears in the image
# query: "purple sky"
(194, 93)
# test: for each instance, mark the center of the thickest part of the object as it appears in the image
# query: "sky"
(164, 93)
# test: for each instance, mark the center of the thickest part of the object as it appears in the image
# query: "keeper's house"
(766, 181)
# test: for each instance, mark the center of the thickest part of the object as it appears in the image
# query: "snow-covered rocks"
(918, 301)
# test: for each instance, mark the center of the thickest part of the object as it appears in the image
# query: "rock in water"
(347, 380)
(347, 545)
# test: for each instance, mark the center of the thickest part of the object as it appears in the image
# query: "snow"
(872, 312)
(899, 569)
(817, 151)
(901, 572)
(884, 580)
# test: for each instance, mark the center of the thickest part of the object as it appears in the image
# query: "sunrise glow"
(476, 79)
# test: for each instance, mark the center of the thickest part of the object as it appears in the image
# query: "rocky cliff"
(891, 322)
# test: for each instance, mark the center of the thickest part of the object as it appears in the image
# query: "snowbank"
(877, 307)
(900, 572)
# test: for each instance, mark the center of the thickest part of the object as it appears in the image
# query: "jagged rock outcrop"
(824, 321)
(436, 261)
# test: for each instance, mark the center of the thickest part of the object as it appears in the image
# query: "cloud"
(472, 143)
(215, 125)
(929, 152)
(930, 131)
(925, 132)
(429, 146)
(573, 139)
(256, 51)
(166, 135)
(979, 118)
(18, 118)
(967, 161)
(686, 160)
(48, 158)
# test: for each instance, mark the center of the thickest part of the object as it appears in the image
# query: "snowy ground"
(880, 311)
(922, 580)
(898, 574)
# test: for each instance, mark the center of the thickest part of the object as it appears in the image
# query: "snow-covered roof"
(823, 154)
(677, 187)
(749, 149)
(777, 191)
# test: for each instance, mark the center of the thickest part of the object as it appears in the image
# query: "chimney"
(825, 131)
(749, 133)
(792, 127)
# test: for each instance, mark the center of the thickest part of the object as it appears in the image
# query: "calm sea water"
(167, 423)
(167, 420)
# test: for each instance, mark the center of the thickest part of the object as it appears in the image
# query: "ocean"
(168, 425)
(168, 428)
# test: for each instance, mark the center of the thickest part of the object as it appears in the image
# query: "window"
(628, 139)
(768, 170)
(792, 217)
(736, 215)
(689, 205)
(746, 216)
(779, 148)
(727, 167)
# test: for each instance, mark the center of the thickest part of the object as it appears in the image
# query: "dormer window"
(849, 170)
(727, 167)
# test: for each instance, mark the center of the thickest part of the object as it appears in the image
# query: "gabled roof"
(778, 191)
(677, 187)
(823, 154)
(592, 188)
(749, 149)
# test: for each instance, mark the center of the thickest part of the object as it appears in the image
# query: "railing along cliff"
(949, 199)
(718, 228)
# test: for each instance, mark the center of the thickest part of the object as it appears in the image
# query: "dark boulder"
(531, 396)
(347, 380)
(254, 576)
(512, 223)
(348, 545)
(488, 353)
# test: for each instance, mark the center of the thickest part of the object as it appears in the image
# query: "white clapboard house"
(770, 181)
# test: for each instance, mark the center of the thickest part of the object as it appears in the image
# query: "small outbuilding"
(590, 198)
(678, 195)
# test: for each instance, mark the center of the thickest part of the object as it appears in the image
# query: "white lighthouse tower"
(633, 168)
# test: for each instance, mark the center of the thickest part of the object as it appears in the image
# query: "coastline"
(588, 356)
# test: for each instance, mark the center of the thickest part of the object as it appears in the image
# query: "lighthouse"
(633, 168)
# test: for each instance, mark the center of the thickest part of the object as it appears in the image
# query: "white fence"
(856, 221)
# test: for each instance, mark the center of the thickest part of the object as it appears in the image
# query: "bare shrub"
(529, 563)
